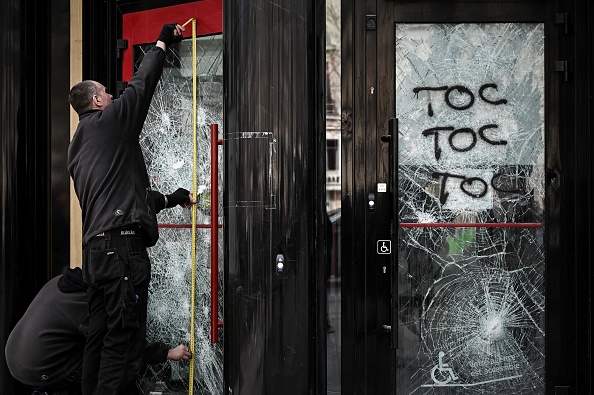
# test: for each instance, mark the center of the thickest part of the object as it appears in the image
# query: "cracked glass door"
(470, 285)
(168, 140)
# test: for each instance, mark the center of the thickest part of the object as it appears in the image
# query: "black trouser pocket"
(136, 279)
(140, 269)
(103, 265)
(129, 314)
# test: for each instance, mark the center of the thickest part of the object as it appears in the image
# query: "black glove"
(167, 35)
(180, 197)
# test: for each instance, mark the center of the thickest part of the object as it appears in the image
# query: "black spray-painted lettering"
(462, 90)
(467, 185)
(457, 132)
(495, 184)
(474, 187)
(454, 132)
(494, 102)
(437, 88)
(481, 133)
(460, 98)
(435, 131)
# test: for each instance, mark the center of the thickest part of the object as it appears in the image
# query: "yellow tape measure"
(194, 189)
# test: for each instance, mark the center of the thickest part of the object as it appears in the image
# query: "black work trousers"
(116, 268)
(69, 386)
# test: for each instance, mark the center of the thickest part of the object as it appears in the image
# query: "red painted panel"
(144, 26)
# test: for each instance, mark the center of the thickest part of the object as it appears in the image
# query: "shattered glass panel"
(471, 267)
(167, 142)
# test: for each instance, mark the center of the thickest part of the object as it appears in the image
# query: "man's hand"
(170, 33)
(180, 197)
(179, 353)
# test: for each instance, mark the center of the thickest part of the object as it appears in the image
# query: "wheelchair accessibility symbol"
(442, 373)
(384, 246)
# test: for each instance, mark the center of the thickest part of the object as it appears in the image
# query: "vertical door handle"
(214, 233)
(393, 189)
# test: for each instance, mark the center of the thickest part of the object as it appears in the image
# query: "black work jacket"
(106, 163)
(47, 343)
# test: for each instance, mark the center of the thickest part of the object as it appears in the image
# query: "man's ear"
(96, 101)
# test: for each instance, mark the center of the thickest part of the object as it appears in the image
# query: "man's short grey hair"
(81, 96)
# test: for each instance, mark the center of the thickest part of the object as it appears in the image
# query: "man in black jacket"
(107, 167)
(45, 349)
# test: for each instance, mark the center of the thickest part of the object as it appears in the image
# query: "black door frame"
(368, 62)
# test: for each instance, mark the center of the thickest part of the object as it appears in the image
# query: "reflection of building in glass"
(333, 159)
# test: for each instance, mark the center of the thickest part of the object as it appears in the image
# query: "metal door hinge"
(120, 45)
(562, 18)
(562, 67)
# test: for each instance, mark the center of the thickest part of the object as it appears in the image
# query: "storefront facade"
(466, 181)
